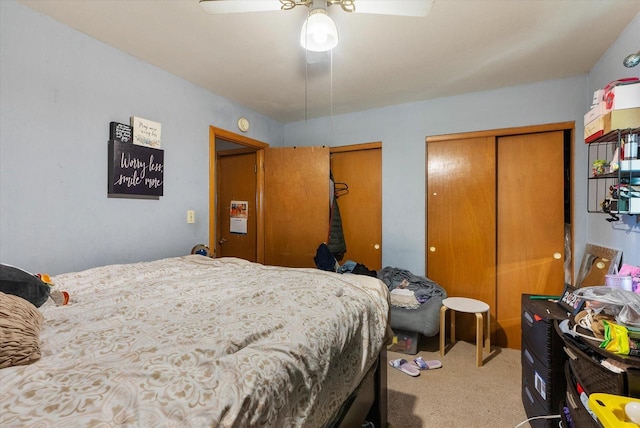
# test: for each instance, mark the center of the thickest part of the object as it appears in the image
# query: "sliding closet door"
(296, 204)
(461, 226)
(530, 224)
(498, 197)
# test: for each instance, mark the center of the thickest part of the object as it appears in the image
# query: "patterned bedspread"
(193, 341)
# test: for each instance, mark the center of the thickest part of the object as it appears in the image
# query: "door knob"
(222, 241)
(557, 256)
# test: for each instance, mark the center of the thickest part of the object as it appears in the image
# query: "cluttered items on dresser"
(602, 341)
(612, 316)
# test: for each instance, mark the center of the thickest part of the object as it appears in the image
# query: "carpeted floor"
(459, 394)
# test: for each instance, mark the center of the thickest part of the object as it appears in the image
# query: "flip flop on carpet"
(404, 366)
(427, 365)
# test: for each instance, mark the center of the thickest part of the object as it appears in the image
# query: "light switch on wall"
(191, 216)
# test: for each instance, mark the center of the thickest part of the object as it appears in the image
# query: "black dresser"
(543, 360)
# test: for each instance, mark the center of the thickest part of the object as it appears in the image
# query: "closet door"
(296, 204)
(530, 224)
(461, 225)
(361, 206)
(496, 221)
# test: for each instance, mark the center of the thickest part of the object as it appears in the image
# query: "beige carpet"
(459, 394)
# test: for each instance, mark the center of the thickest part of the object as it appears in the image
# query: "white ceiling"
(255, 59)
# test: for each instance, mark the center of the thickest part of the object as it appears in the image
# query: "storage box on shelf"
(612, 121)
(594, 113)
(622, 97)
(614, 180)
(630, 165)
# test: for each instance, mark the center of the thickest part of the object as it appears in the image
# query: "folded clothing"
(404, 298)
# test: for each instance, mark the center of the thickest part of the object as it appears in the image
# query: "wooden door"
(530, 225)
(236, 181)
(461, 225)
(296, 204)
(221, 140)
(360, 167)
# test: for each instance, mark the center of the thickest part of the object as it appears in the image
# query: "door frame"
(258, 147)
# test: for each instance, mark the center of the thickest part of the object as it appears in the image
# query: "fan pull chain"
(331, 94)
(306, 68)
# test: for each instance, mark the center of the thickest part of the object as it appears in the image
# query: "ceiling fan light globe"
(320, 37)
(319, 32)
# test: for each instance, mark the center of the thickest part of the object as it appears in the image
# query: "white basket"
(617, 281)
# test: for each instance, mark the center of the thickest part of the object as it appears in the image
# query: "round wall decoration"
(243, 124)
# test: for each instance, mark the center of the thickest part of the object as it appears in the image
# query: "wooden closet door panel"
(461, 213)
(296, 204)
(361, 207)
(530, 224)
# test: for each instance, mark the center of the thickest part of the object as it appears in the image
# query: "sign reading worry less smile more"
(135, 169)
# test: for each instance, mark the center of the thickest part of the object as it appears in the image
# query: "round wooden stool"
(464, 304)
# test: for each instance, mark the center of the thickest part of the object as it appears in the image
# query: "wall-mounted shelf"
(614, 183)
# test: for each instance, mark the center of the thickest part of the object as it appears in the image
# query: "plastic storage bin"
(405, 342)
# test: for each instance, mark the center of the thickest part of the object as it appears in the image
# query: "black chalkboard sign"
(120, 132)
(135, 170)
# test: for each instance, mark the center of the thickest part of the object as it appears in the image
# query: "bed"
(195, 341)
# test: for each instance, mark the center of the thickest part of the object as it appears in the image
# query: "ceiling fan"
(319, 32)
(384, 7)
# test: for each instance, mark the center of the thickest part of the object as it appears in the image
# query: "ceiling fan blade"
(236, 6)
(394, 7)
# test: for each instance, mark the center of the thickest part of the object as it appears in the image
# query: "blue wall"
(59, 89)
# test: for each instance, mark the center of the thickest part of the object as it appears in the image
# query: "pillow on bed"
(20, 324)
(23, 284)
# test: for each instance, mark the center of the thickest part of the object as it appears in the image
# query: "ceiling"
(255, 59)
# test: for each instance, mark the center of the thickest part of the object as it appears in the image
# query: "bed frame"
(369, 402)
